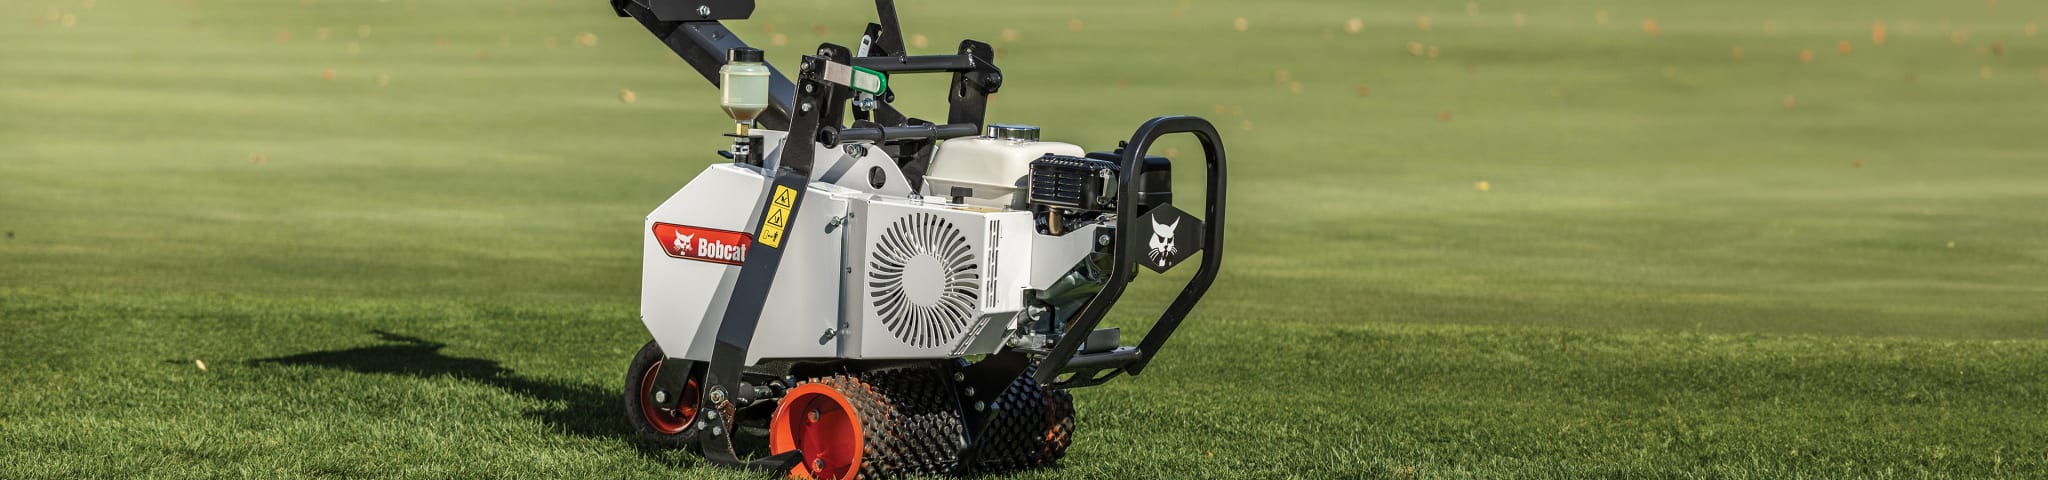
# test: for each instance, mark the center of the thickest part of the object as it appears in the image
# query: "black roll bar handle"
(1124, 255)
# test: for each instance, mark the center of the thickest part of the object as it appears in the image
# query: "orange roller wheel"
(825, 424)
(876, 424)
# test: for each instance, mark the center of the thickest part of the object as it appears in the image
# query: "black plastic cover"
(1073, 182)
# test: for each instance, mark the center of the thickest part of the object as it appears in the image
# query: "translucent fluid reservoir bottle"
(743, 86)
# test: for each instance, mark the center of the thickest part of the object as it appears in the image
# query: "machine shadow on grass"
(592, 411)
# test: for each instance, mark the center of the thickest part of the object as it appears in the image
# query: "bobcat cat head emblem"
(1162, 242)
(682, 243)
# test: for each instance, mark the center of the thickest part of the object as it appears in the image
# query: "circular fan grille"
(923, 280)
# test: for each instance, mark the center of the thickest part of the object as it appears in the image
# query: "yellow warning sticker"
(777, 219)
(785, 196)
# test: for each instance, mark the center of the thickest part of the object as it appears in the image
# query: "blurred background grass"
(1545, 239)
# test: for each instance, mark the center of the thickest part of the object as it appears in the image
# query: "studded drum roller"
(881, 424)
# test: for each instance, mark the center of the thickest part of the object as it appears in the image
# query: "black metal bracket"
(981, 384)
(1061, 367)
(816, 101)
(693, 10)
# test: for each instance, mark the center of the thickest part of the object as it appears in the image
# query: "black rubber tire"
(635, 394)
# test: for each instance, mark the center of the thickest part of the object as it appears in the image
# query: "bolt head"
(660, 396)
(716, 431)
(970, 391)
(980, 406)
(718, 395)
(704, 10)
(1102, 240)
(959, 376)
(814, 414)
(713, 414)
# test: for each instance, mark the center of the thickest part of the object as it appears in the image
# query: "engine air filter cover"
(1073, 182)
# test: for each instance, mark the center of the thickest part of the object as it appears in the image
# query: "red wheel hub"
(821, 422)
(665, 420)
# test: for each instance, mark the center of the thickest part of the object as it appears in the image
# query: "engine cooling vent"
(924, 280)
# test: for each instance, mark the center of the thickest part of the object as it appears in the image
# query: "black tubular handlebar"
(1060, 360)
(836, 136)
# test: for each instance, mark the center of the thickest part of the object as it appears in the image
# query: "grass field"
(1508, 239)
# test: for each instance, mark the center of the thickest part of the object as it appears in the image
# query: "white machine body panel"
(927, 280)
(682, 300)
(868, 272)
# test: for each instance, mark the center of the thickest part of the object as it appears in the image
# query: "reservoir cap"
(1012, 132)
(743, 54)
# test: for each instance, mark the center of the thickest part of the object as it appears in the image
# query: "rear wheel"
(654, 423)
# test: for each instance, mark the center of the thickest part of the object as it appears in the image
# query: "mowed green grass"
(1686, 264)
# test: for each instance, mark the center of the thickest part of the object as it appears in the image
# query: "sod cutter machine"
(883, 295)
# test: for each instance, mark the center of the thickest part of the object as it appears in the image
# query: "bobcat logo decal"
(682, 243)
(1163, 249)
